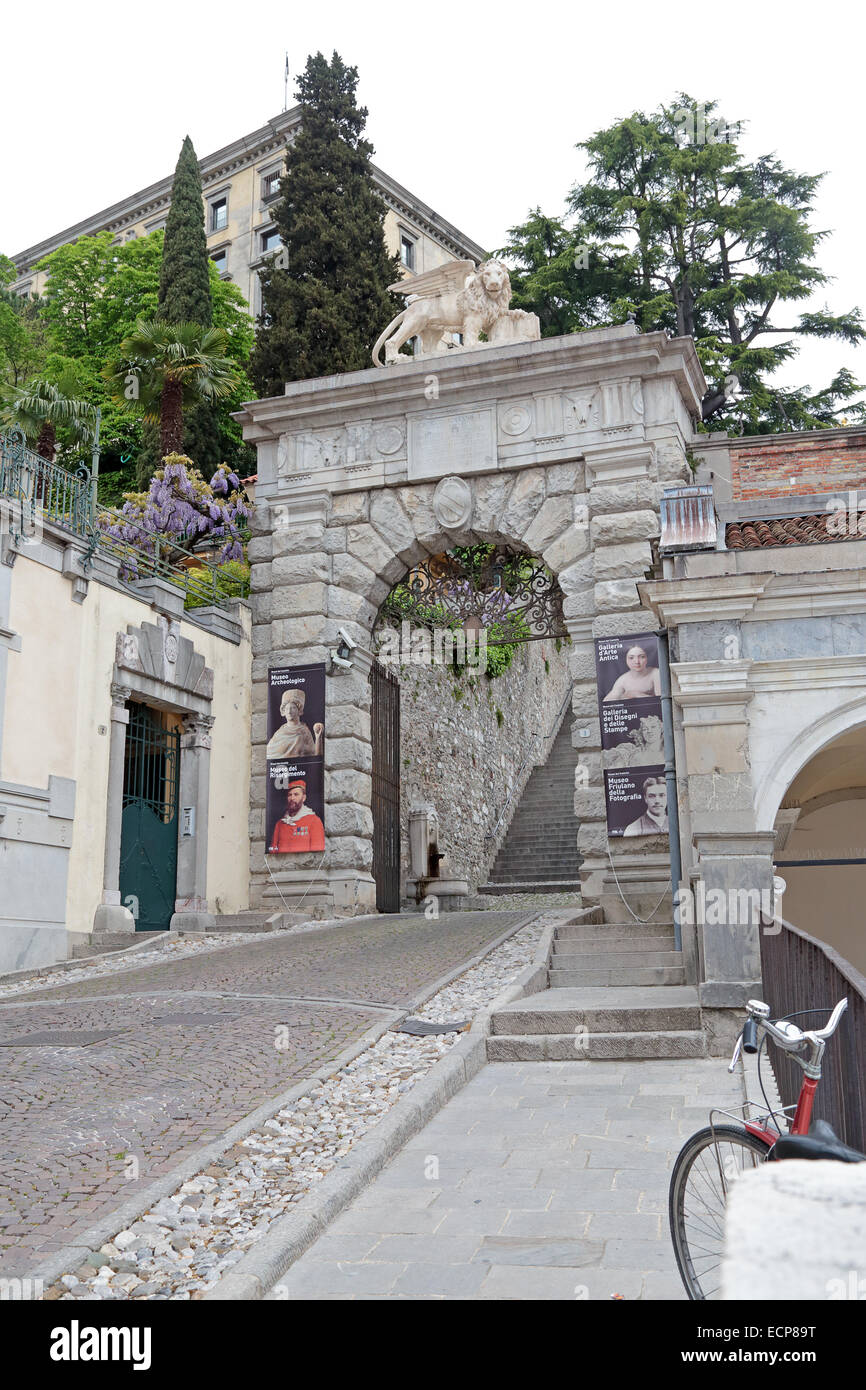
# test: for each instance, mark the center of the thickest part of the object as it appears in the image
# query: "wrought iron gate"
(148, 843)
(386, 787)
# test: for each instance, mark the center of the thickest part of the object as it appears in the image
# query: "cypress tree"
(324, 311)
(184, 292)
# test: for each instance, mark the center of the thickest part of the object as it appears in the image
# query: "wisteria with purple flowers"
(180, 506)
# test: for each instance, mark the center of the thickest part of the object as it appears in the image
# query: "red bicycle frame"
(802, 1115)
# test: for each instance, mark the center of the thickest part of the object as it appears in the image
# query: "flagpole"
(286, 86)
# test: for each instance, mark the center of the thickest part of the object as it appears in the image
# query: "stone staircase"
(539, 852)
(616, 990)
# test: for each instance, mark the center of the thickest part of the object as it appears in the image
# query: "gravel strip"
(185, 1243)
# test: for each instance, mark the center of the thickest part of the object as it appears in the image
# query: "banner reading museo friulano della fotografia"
(295, 756)
(632, 734)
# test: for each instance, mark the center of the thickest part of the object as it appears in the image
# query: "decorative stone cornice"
(712, 683)
(726, 598)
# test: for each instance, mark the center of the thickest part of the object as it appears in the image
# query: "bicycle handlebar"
(787, 1035)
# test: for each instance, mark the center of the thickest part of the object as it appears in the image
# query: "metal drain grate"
(419, 1027)
(70, 1038)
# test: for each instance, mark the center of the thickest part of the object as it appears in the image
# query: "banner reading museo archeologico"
(632, 734)
(295, 810)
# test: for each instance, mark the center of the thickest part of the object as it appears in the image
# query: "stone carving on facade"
(452, 503)
(197, 730)
(455, 298)
(352, 446)
(515, 419)
(157, 650)
(582, 410)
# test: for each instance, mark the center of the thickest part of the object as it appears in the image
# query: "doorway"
(148, 844)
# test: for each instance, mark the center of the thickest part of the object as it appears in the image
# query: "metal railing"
(801, 973)
(41, 489)
(40, 492)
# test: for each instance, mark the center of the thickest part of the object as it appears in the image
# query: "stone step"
(607, 933)
(611, 960)
(254, 921)
(616, 1009)
(618, 946)
(557, 885)
(563, 1047)
(589, 974)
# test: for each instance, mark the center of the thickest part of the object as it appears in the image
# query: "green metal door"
(148, 844)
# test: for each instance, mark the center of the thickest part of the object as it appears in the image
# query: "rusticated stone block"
(350, 507)
(589, 803)
(346, 784)
(349, 852)
(624, 526)
(348, 752)
(524, 503)
(347, 721)
(592, 837)
(622, 561)
(301, 569)
(615, 594)
(393, 525)
(366, 545)
(346, 818)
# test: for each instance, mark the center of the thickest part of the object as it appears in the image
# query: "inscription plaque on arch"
(462, 441)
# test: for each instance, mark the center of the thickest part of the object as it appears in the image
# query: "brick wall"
(783, 465)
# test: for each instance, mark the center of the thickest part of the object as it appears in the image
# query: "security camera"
(337, 661)
(347, 639)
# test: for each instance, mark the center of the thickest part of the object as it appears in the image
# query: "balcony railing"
(36, 491)
(802, 979)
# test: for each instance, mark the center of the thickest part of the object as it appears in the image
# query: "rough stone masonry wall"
(463, 743)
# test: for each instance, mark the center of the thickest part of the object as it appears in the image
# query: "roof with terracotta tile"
(790, 530)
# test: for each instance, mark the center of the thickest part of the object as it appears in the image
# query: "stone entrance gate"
(559, 448)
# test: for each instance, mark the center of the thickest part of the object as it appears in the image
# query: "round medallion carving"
(516, 419)
(452, 503)
(389, 439)
(171, 649)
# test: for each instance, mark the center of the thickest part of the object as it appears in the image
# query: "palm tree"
(43, 408)
(167, 367)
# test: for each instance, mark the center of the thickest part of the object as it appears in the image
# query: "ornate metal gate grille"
(513, 596)
(386, 787)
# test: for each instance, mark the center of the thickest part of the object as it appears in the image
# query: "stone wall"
(463, 745)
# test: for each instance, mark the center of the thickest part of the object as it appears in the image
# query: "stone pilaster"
(191, 906)
(111, 915)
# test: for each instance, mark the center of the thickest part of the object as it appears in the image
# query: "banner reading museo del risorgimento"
(295, 754)
(632, 734)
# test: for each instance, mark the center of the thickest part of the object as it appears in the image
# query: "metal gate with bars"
(148, 843)
(386, 787)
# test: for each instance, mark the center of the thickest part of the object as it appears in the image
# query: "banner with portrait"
(637, 801)
(632, 732)
(295, 757)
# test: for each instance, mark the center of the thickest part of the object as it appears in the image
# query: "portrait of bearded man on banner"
(293, 738)
(300, 830)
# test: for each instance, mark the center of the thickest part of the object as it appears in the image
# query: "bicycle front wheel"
(705, 1169)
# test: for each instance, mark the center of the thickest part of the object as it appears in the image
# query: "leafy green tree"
(558, 275)
(44, 408)
(323, 311)
(164, 368)
(93, 297)
(185, 290)
(678, 230)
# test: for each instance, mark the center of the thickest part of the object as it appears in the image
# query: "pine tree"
(184, 295)
(323, 312)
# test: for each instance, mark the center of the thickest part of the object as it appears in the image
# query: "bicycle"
(716, 1156)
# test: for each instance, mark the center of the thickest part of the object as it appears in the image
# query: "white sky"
(475, 109)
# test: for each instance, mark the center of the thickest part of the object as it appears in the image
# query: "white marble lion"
(453, 298)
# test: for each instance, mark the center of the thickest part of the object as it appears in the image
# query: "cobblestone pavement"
(539, 1180)
(190, 1050)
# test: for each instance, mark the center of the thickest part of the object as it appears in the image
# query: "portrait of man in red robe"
(300, 829)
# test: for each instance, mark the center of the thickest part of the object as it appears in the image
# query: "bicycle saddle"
(820, 1142)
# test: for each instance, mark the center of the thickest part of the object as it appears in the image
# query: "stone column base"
(113, 917)
(331, 892)
(643, 879)
(183, 922)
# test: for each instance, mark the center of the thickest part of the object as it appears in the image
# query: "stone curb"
(71, 1255)
(265, 1264)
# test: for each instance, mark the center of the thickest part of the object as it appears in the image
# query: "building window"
(219, 215)
(221, 261)
(270, 240)
(407, 251)
(271, 185)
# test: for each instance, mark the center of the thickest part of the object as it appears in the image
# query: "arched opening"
(476, 638)
(822, 857)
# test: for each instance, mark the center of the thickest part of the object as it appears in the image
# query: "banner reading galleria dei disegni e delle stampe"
(295, 803)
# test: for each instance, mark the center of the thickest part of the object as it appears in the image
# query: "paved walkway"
(539, 1180)
(174, 1054)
